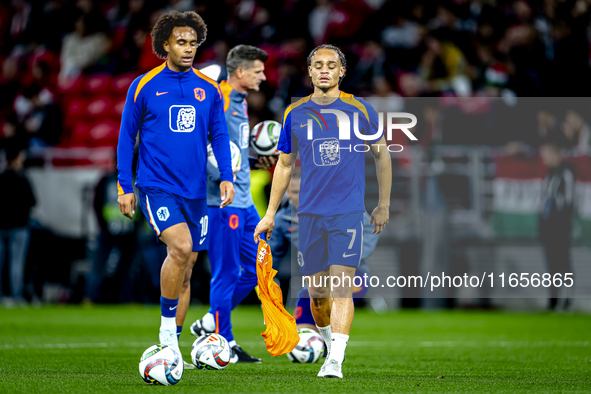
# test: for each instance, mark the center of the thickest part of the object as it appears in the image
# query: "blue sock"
(179, 329)
(168, 306)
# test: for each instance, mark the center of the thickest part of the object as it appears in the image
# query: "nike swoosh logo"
(303, 125)
(349, 255)
(172, 309)
(201, 241)
(160, 94)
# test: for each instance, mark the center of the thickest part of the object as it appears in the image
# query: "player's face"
(253, 76)
(181, 47)
(326, 69)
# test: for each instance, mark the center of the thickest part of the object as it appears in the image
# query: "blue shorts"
(329, 240)
(164, 209)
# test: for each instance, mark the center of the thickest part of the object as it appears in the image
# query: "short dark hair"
(243, 56)
(167, 22)
(332, 48)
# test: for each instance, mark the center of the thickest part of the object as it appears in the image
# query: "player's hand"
(127, 204)
(226, 193)
(379, 218)
(265, 225)
(265, 162)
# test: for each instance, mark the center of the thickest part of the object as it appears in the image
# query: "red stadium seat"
(70, 86)
(97, 84)
(75, 107)
(104, 133)
(80, 135)
(121, 84)
(118, 108)
(74, 110)
(100, 107)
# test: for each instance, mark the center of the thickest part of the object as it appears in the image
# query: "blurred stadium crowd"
(63, 61)
(66, 67)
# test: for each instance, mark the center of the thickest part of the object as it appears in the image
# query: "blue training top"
(236, 112)
(174, 113)
(333, 168)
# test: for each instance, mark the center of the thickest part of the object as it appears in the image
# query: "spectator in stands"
(318, 20)
(555, 222)
(147, 60)
(83, 47)
(9, 130)
(17, 198)
(369, 66)
(21, 22)
(441, 62)
(43, 122)
(576, 129)
(25, 103)
(570, 73)
(9, 83)
(134, 19)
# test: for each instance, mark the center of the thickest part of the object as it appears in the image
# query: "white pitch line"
(73, 345)
(351, 343)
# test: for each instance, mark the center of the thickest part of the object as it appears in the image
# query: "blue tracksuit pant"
(232, 253)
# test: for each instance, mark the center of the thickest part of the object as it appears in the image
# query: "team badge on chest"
(199, 94)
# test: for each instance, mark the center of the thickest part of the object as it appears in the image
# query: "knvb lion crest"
(186, 119)
(182, 118)
(199, 94)
(163, 214)
(326, 152)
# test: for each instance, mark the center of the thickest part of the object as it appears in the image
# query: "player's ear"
(239, 72)
(166, 46)
(342, 72)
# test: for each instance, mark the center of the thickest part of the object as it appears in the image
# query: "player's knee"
(319, 303)
(319, 293)
(180, 250)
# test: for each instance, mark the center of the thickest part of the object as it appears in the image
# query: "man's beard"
(324, 90)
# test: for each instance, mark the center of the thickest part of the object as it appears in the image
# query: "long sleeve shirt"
(175, 113)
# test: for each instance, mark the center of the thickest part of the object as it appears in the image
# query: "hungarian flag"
(517, 190)
(281, 335)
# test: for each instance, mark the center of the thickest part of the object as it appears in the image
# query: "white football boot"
(332, 369)
(323, 368)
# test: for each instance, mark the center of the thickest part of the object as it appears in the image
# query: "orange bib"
(281, 335)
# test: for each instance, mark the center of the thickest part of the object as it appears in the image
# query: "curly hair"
(167, 22)
(243, 56)
(332, 48)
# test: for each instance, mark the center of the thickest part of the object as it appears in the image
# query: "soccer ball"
(234, 150)
(264, 138)
(211, 352)
(161, 364)
(309, 349)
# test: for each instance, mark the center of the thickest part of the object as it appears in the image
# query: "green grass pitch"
(97, 350)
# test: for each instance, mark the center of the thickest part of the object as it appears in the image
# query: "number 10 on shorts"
(204, 222)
